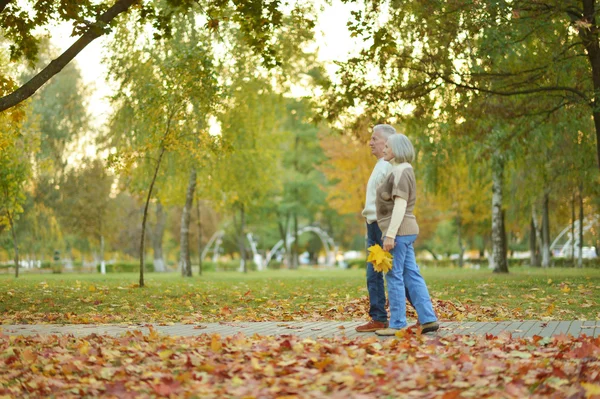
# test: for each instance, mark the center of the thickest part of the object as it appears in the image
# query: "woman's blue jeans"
(405, 277)
(375, 284)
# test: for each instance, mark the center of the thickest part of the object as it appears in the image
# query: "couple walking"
(391, 197)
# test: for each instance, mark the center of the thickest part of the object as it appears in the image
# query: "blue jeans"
(406, 277)
(375, 284)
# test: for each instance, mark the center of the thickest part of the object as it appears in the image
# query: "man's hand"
(388, 244)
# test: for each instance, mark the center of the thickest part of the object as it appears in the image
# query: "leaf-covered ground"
(304, 295)
(208, 366)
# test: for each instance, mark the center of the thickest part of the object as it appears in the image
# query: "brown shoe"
(429, 327)
(372, 326)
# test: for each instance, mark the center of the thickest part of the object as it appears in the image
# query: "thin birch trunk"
(295, 255)
(185, 259)
(461, 247)
(102, 261)
(15, 243)
(145, 218)
(546, 230)
(157, 238)
(580, 258)
(532, 240)
(498, 250)
(242, 246)
(573, 230)
(538, 237)
(199, 223)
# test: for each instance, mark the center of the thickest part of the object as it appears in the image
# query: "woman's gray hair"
(402, 148)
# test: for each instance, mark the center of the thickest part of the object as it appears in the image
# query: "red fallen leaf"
(116, 388)
(557, 372)
(587, 349)
(166, 387)
(226, 311)
(286, 344)
(451, 394)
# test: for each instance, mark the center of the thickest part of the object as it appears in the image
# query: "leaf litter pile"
(209, 366)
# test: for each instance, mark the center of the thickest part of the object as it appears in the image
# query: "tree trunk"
(102, 261)
(185, 259)
(157, 239)
(580, 258)
(498, 249)
(199, 223)
(461, 247)
(546, 231)
(142, 247)
(295, 255)
(283, 229)
(504, 237)
(538, 237)
(242, 246)
(534, 259)
(573, 229)
(589, 36)
(15, 243)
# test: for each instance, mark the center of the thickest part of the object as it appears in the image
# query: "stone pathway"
(309, 329)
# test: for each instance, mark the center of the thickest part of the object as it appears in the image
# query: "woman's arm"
(395, 222)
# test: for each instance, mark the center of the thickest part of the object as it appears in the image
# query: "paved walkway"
(310, 329)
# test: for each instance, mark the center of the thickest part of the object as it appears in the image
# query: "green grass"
(459, 294)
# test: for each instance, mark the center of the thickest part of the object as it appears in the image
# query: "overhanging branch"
(3, 4)
(29, 88)
(517, 92)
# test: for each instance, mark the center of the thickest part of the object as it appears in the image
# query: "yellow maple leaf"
(590, 389)
(381, 260)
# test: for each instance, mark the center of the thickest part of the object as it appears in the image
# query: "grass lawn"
(309, 294)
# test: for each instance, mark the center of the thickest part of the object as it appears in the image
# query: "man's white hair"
(385, 130)
(402, 148)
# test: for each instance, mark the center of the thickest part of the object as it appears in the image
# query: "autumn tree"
(16, 146)
(165, 89)
(85, 204)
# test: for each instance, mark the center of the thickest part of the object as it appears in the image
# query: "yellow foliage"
(349, 164)
(381, 260)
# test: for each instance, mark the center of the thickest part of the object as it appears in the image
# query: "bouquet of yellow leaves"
(381, 260)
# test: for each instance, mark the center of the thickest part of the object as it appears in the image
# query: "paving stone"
(309, 329)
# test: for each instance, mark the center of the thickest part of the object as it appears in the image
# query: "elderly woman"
(396, 197)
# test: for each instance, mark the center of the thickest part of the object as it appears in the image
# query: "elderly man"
(375, 286)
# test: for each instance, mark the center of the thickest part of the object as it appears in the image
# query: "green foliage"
(85, 205)
(16, 146)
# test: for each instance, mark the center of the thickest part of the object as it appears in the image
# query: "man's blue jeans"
(375, 284)
(405, 277)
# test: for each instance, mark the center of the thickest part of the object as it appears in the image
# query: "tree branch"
(29, 88)
(517, 92)
(3, 4)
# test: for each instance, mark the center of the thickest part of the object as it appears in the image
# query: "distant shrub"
(358, 263)
(126, 267)
(274, 265)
